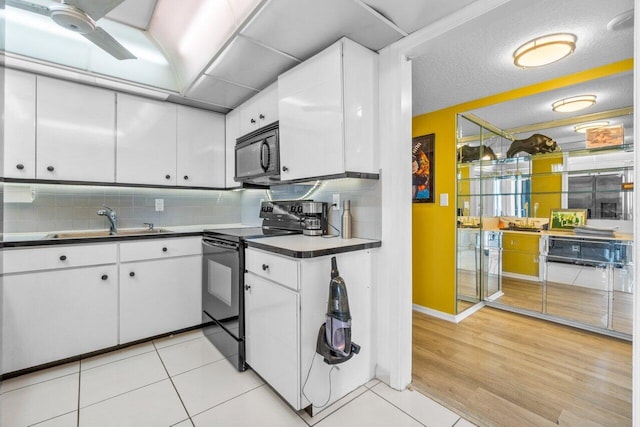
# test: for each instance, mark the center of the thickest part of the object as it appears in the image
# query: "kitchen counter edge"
(313, 253)
(570, 234)
(105, 239)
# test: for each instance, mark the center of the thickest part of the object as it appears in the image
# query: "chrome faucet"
(111, 216)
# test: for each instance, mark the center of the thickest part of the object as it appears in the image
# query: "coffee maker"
(314, 218)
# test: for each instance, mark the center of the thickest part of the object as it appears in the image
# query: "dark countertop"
(106, 239)
(299, 246)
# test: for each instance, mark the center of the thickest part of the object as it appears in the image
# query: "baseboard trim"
(521, 276)
(454, 318)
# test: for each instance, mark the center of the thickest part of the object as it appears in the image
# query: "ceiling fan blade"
(28, 6)
(96, 9)
(104, 41)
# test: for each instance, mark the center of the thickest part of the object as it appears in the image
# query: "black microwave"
(258, 156)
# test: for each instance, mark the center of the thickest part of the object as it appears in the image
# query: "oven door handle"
(223, 245)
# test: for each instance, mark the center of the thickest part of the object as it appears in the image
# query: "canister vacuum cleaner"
(334, 338)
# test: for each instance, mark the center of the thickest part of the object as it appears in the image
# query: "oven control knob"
(265, 267)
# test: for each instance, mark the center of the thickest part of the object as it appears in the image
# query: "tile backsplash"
(74, 207)
(71, 207)
(364, 194)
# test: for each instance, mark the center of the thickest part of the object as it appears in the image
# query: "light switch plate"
(444, 199)
(159, 205)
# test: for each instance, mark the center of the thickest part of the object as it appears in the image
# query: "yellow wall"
(545, 186)
(434, 227)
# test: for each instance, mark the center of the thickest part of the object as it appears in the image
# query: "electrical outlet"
(336, 202)
(159, 205)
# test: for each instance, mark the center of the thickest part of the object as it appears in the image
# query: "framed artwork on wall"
(422, 160)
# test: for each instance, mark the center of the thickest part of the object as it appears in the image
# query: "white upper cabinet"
(146, 141)
(328, 108)
(19, 124)
(232, 130)
(260, 110)
(75, 130)
(201, 148)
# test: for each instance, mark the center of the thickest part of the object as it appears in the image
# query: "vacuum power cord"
(307, 379)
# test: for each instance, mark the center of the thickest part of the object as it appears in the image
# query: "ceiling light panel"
(583, 127)
(544, 50)
(574, 103)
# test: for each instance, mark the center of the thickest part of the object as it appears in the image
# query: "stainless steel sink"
(105, 233)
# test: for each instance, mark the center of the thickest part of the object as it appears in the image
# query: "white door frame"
(394, 290)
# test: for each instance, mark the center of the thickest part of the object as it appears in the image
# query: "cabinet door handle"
(50, 168)
(63, 257)
(186, 177)
(247, 287)
(164, 249)
(167, 176)
(284, 169)
(19, 166)
(253, 121)
(131, 274)
(104, 277)
(261, 116)
(265, 267)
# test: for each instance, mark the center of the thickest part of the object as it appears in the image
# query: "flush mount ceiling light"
(575, 103)
(584, 127)
(544, 50)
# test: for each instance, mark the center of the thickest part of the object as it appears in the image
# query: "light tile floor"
(184, 381)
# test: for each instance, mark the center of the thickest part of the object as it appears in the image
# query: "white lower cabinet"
(159, 296)
(51, 315)
(272, 335)
(62, 301)
(283, 320)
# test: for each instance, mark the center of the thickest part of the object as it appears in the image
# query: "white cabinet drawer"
(160, 248)
(59, 256)
(273, 267)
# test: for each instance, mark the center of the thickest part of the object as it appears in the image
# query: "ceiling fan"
(80, 16)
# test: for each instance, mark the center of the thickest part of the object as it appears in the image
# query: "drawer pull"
(265, 267)
(247, 287)
(131, 274)
(63, 257)
(167, 176)
(104, 277)
(50, 168)
(164, 249)
(186, 177)
(19, 166)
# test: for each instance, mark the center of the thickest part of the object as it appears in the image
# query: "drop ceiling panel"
(302, 28)
(249, 64)
(412, 15)
(215, 91)
(136, 13)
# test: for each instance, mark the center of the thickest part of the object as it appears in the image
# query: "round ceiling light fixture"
(574, 103)
(584, 127)
(544, 50)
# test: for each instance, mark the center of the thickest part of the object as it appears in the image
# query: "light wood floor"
(584, 305)
(502, 369)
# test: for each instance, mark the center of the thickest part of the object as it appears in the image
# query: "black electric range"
(223, 275)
